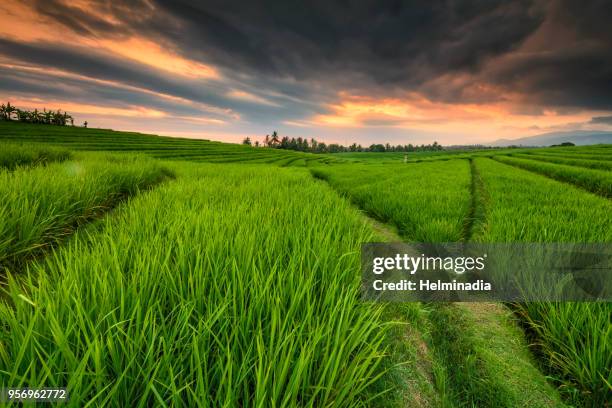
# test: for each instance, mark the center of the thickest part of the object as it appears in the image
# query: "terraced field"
(575, 338)
(508, 204)
(160, 147)
(140, 270)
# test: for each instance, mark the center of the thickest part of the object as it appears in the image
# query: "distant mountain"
(579, 138)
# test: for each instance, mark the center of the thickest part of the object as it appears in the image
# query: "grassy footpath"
(42, 205)
(485, 358)
(13, 155)
(473, 348)
(214, 289)
(595, 181)
(574, 339)
(479, 341)
(410, 377)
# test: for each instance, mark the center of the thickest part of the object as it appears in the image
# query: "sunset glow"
(112, 64)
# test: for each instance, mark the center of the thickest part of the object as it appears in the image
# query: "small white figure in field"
(405, 158)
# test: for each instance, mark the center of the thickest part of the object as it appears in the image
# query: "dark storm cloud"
(385, 46)
(85, 92)
(386, 42)
(84, 21)
(572, 63)
(607, 120)
(103, 67)
(563, 78)
(299, 55)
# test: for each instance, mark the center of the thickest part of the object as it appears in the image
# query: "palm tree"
(35, 116)
(284, 143)
(21, 115)
(47, 116)
(38, 117)
(313, 144)
(274, 140)
(58, 118)
(7, 111)
(65, 117)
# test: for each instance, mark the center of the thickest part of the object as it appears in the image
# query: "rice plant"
(574, 338)
(13, 155)
(76, 138)
(428, 202)
(214, 289)
(42, 205)
(595, 181)
(585, 162)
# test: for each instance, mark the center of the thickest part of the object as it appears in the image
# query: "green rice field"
(140, 270)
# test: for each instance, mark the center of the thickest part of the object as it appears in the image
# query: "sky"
(456, 72)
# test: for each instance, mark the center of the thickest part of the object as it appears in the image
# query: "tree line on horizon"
(9, 112)
(313, 146)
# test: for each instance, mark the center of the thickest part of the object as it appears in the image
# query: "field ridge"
(598, 182)
(476, 218)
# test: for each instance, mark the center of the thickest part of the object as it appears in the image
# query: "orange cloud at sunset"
(417, 112)
(21, 22)
(150, 53)
(82, 108)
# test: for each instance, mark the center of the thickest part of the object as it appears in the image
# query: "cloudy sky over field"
(377, 71)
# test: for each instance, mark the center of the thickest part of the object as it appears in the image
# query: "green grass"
(190, 295)
(582, 153)
(574, 339)
(236, 284)
(42, 205)
(595, 181)
(470, 352)
(485, 358)
(13, 155)
(597, 152)
(588, 163)
(427, 202)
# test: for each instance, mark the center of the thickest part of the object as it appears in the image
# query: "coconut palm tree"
(65, 118)
(35, 116)
(7, 111)
(21, 115)
(274, 140)
(47, 116)
(57, 118)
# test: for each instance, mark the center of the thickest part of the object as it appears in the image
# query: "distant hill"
(579, 138)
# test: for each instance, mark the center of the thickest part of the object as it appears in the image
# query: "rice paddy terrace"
(141, 270)
(161, 147)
